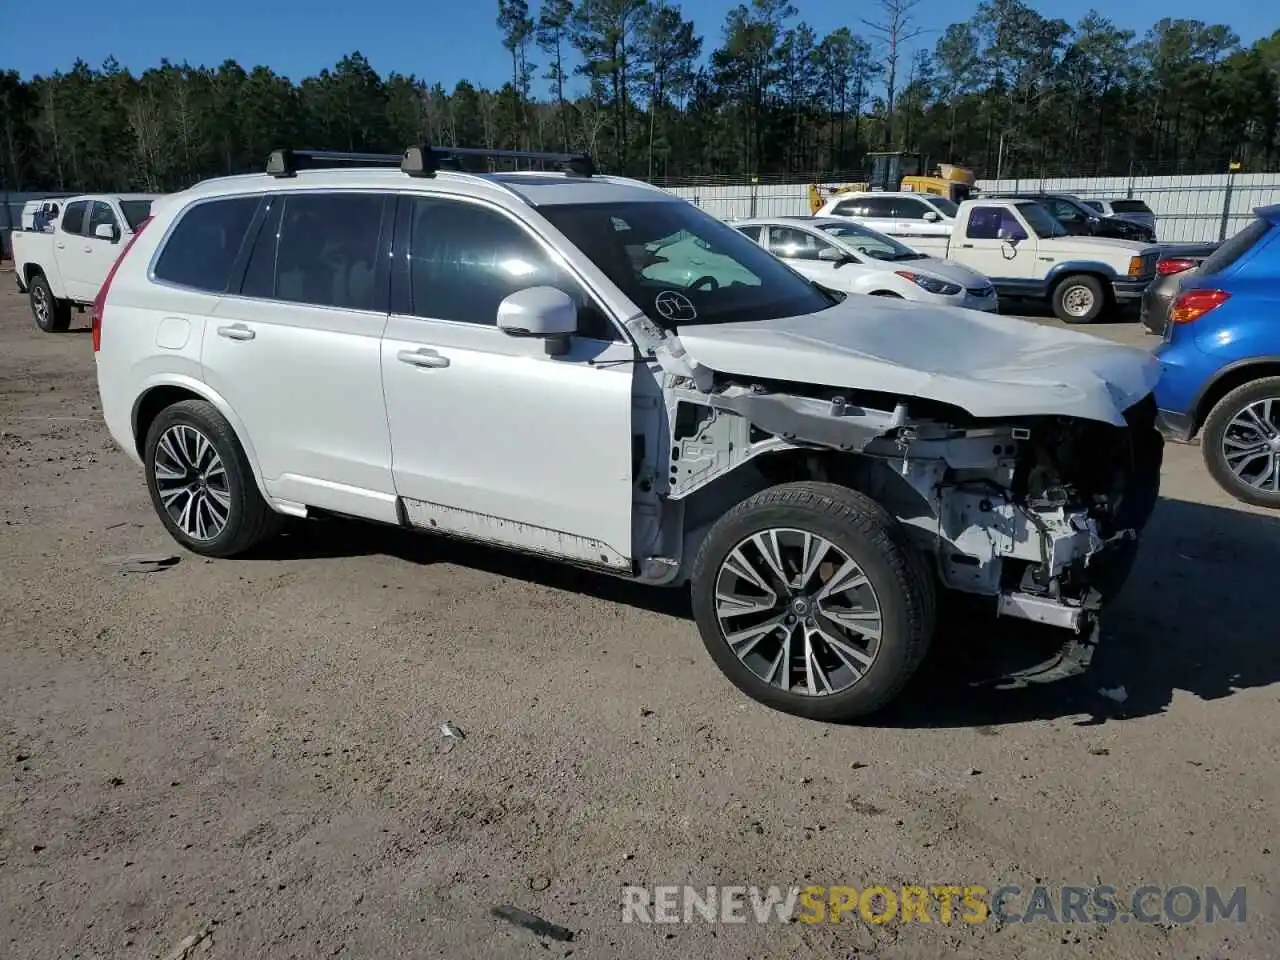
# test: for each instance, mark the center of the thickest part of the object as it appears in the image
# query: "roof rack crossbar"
(421, 160)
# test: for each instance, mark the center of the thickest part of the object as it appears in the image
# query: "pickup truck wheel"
(809, 599)
(1079, 299)
(201, 484)
(1241, 442)
(52, 315)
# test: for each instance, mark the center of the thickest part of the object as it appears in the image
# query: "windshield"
(1041, 220)
(683, 266)
(944, 206)
(135, 211)
(869, 243)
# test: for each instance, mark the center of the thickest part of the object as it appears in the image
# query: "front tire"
(809, 599)
(1079, 299)
(201, 484)
(51, 314)
(1241, 443)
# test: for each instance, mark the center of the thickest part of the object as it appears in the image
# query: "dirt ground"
(253, 747)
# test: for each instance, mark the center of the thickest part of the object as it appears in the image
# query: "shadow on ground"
(1199, 614)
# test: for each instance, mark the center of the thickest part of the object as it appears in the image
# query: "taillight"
(100, 301)
(1174, 265)
(1194, 304)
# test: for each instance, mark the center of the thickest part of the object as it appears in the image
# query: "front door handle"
(237, 331)
(423, 357)
(88, 249)
(967, 246)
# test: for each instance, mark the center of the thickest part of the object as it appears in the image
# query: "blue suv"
(1221, 362)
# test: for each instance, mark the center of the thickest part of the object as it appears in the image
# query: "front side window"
(905, 208)
(682, 266)
(791, 244)
(73, 219)
(995, 223)
(202, 248)
(465, 259)
(101, 215)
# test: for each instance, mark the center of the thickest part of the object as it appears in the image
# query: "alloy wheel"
(191, 482)
(799, 612)
(40, 301)
(1251, 445)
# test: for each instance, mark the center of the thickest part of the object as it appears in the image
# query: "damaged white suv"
(587, 368)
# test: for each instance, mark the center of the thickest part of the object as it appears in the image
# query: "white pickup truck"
(64, 268)
(1029, 255)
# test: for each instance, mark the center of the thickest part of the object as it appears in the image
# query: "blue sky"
(439, 40)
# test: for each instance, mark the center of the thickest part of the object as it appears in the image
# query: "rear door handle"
(237, 331)
(422, 357)
(88, 249)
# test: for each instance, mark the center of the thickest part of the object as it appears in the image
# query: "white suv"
(587, 368)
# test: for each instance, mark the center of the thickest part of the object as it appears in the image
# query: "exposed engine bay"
(1041, 514)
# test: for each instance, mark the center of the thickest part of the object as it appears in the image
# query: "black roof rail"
(421, 160)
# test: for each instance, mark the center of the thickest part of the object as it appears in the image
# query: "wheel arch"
(1062, 272)
(158, 395)
(1228, 378)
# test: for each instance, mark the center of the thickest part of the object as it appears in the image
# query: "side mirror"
(105, 231)
(543, 312)
(932, 217)
(832, 255)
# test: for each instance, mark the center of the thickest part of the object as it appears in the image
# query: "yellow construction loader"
(900, 171)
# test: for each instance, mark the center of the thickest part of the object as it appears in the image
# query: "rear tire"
(1231, 431)
(860, 620)
(1079, 298)
(201, 484)
(52, 315)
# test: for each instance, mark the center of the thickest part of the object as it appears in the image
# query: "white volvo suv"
(520, 359)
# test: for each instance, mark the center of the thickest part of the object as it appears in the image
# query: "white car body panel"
(894, 226)
(989, 366)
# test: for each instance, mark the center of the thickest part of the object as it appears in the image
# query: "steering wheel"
(709, 281)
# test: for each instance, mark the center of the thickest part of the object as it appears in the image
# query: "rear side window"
(904, 208)
(324, 251)
(1235, 248)
(1129, 206)
(202, 248)
(73, 219)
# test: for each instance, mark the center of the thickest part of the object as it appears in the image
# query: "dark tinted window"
(1129, 206)
(464, 259)
(875, 207)
(260, 275)
(1064, 211)
(73, 219)
(905, 208)
(101, 214)
(1235, 248)
(328, 250)
(203, 246)
(752, 232)
(135, 211)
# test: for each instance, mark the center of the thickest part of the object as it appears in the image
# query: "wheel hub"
(798, 611)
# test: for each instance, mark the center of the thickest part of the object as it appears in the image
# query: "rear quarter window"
(202, 248)
(1235, 248)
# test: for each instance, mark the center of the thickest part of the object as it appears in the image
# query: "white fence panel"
(1187, 209)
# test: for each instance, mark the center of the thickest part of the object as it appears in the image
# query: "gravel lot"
(254, 746)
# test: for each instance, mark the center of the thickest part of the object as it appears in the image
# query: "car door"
(294, 346)
(997, 243)
(103, 241)
(494, 436)
(74, 251)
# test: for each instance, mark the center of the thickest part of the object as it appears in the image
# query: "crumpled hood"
(991, 366)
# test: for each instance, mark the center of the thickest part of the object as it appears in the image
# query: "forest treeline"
(650, 93)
